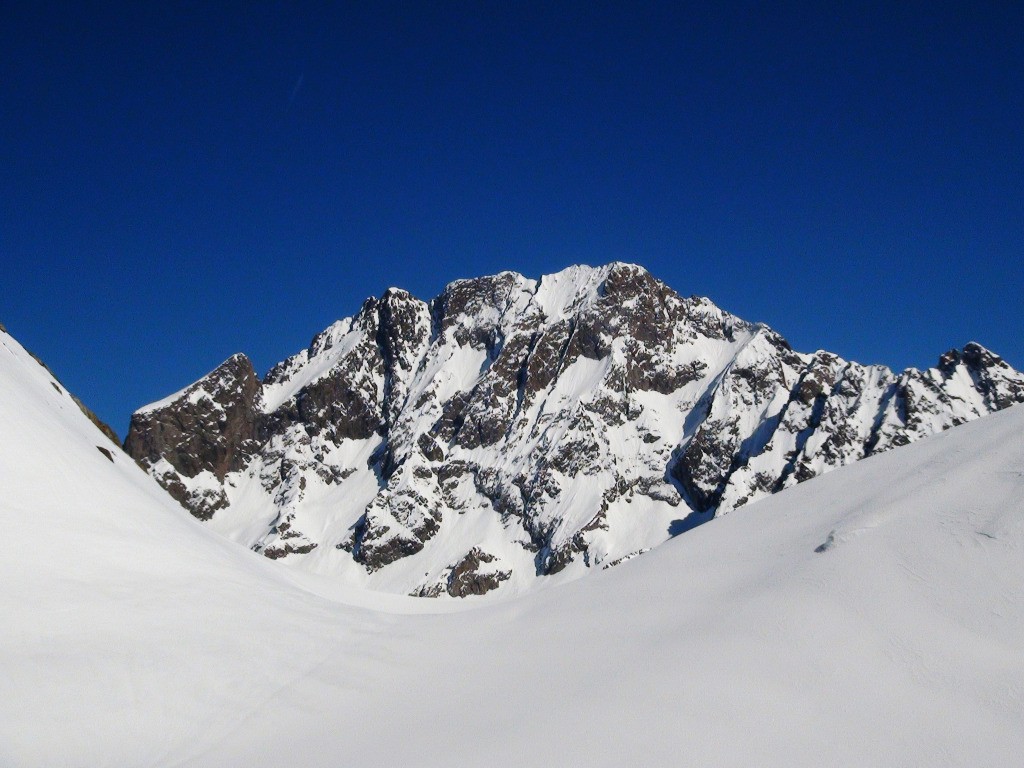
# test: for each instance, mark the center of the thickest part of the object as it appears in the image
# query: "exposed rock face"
(474, 574)
(208, 428)
(512, 428)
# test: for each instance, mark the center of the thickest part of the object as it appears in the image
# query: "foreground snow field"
(873, 616)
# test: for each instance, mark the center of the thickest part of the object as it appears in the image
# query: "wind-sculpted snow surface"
(512, 429)
(873, 616)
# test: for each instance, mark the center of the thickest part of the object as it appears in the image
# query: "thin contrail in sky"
(295, 90)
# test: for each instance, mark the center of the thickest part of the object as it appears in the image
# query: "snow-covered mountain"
(873, 616)
(515, 428)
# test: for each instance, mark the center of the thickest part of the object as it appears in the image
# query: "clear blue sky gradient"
(181, 181)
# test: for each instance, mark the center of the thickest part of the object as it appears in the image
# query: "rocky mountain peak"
(208, 428)
(512, 429)
(974, 357)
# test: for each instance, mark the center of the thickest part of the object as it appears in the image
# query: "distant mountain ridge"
(512, 429)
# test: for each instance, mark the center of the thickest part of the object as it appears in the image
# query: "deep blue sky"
(180, 181)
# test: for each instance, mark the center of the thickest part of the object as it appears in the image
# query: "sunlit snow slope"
(873, 616)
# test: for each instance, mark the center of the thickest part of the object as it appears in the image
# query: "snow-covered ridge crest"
(512, 431)
(202, 389)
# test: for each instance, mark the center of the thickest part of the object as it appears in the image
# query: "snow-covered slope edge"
(59, 387)
(872, 616)
(513, 432)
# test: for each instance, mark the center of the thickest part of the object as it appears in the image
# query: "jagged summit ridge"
(514, 428)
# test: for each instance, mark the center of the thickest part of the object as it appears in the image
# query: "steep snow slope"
(872, 616)
(514, 428)
(129, 635)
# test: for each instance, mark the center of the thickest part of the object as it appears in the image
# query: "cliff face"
(512, 429)
(209, 429)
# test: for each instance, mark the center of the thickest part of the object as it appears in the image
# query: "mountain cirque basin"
(513, 431)
(872, 616)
